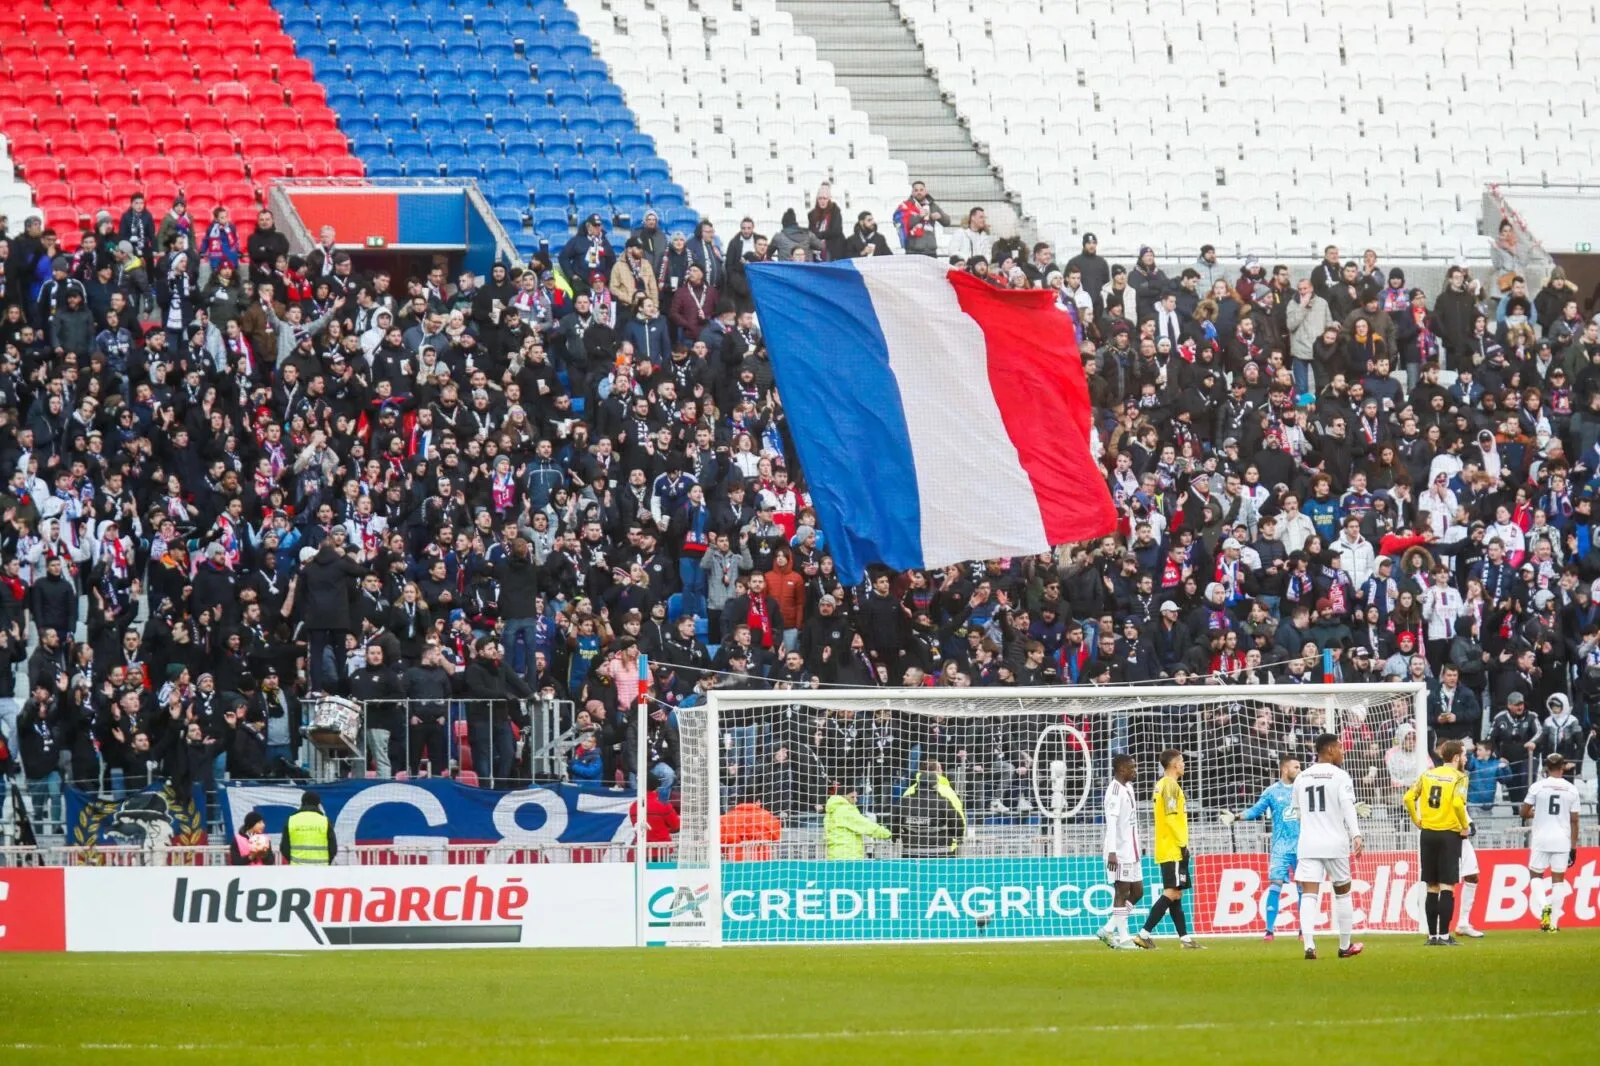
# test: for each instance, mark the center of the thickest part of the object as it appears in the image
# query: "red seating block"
(214, 144)
(118, 169)
(346, 166)
(140, 144)
(179, 143)
(258, 143)
(265, 168)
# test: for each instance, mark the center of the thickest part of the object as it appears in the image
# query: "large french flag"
(937, 418)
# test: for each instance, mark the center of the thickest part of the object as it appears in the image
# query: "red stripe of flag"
(1036, 374)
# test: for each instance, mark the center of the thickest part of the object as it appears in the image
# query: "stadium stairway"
(877, 59)
(99, 102)
(511, 95)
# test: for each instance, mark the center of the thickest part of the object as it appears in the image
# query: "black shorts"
(1176, 874)
(1441, 857)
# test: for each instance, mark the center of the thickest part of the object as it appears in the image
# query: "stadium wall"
(593, 904)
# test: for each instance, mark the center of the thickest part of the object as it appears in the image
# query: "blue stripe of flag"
(831, 364)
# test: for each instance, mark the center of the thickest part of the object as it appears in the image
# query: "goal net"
(757, 862)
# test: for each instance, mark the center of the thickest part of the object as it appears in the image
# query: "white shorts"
(1469, 860)
(1128, 870)
(1554, 861)
(1322, 871)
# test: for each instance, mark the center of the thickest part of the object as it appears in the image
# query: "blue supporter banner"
(378, 812)
(152, 818)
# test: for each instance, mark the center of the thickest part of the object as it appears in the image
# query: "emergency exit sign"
(376, 242)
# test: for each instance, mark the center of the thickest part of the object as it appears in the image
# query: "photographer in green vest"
(308, 835)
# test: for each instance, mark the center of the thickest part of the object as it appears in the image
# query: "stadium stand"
(749, 118)
(512, 96)
(1375, 125)
(209, 101)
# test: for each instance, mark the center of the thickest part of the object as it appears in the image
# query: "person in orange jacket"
(788, 586)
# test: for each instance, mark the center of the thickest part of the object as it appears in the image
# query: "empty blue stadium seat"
(483, 146)
(558, 144)
(381, 166)
(608, 95)
(637, 144)
(614, 172)
(548, 218)
(590, 191)
(408, 145)
(651, 171)
(537, 170)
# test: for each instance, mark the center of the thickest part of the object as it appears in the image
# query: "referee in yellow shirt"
(1172, 853)
(1437, 803)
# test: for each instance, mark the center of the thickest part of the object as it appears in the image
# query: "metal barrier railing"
(411, 730)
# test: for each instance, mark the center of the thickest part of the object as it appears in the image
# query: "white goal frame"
(978, 701)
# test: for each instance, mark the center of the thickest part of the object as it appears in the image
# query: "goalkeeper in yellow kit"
(1437, 803)
(1172, 853)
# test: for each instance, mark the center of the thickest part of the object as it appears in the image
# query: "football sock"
(1447, 906)
(1557, 897)
(1308, 918)
(1274, 901)
(1538, 894)
(1119, 919)
(1344, 918)
(1469, 892)
(1156, 913)
(1180, 921)
(1430, 907)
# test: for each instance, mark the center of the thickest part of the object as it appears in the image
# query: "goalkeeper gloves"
(1363, 809)
(1227, 817)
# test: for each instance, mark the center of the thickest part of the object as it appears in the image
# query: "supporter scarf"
(117, 558)
(1171, 574)
(502, 487)
(760, 621)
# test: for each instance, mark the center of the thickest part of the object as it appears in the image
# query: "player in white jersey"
(1552, 803)
(1123, 857)
(1330, 837)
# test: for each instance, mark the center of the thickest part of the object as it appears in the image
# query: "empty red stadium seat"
(227, 168)
(237, 195)
(65, 221)
(103, 144)
(280, 118)
(81, 169)
(52, 120)
(165, 118)
(189, 168)
(274, 50)
(258, 143)
(53, 194)
(326, 142)
(236, 91)
(191, 95)
(308, 95)
(118, 169)
(68, 144)
(320, 119)
(116, 95)
(202, 196)
(91, 119)
(156, 92)
(294, 145)
(207, 120)
(213, 144)
(156, 169)
(134, 120)
(167, 57)
(180, 142)
(53, 51)
(76, 95)
(346, 166)
(140, 144)
(265, 168)
(309, 166)
(16, 119)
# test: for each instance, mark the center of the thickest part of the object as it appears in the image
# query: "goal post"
(752, 863)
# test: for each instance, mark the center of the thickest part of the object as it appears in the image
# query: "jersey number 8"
(1435, 794)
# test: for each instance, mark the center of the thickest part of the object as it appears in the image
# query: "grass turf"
(1514, 997)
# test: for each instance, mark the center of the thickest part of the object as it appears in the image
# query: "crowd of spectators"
(236, 477)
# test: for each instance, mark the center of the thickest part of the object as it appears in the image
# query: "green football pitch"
(1511, 998)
